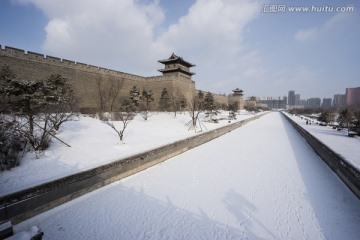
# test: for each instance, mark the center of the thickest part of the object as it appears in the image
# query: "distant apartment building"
(297, 99)
(275, 104)
(285, 99)
(291, 98)
(339, 100)
(313, 103)
(352, 96)
(302, 102)
(326, 103)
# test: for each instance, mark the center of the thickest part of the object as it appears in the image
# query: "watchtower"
(237, 98)
(176, 66)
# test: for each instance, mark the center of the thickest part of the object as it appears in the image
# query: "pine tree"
(165, 101)
(357, 121)
(35, 102)
(182, 102)
(345, 118)
(135, 96)
(324, 117)
(209, 103)
(146, 99)
(200, 100)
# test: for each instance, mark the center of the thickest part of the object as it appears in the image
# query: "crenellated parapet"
(46, 59)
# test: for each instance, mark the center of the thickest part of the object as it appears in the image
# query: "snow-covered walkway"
(261, 181)
(338, 141)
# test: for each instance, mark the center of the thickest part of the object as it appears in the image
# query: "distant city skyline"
(261, 47)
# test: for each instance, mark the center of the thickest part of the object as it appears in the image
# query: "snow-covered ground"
(260, 181)
(338, 141)
(94, 143)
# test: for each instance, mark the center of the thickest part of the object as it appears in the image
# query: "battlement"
(41, 58)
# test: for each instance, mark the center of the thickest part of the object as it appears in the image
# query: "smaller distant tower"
(237, 97)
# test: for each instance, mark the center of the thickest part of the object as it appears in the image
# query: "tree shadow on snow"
(117, 212)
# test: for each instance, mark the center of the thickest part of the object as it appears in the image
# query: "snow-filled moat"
(261, 181)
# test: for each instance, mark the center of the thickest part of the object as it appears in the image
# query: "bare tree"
(178, 103)
(194, 112)
(119, 121)
(109, 94)
(114, 91)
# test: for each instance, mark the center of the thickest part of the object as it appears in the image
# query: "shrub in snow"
(232, 108)
(33, 234)
(11, 143)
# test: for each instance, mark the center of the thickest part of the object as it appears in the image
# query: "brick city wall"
(86, 78)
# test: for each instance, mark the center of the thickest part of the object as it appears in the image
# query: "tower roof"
(176, 59)
(176, 69)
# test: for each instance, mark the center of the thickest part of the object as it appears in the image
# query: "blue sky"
(233, 43)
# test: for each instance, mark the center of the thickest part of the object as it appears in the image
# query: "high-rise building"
(274, 104)
(297, 99)
(291, 98)
(339, 100)
(313, 103)
(352, 96)
(285, 99)
(302, 102)
(326, 103)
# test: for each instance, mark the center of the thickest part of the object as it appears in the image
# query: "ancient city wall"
(221, 99)
(88, 81)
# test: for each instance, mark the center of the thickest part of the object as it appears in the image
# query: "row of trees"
(31, 113)
(348, 117)
(140, 102)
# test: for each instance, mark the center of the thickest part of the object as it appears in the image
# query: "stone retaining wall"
(345, 171)
(27, 203)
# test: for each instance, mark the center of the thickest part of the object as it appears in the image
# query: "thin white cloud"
(333, 27)
(306, 35)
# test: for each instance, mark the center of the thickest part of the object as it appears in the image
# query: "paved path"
(261, 181)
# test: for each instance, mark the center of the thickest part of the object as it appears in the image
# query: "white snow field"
(261, 181)
(93, 144)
